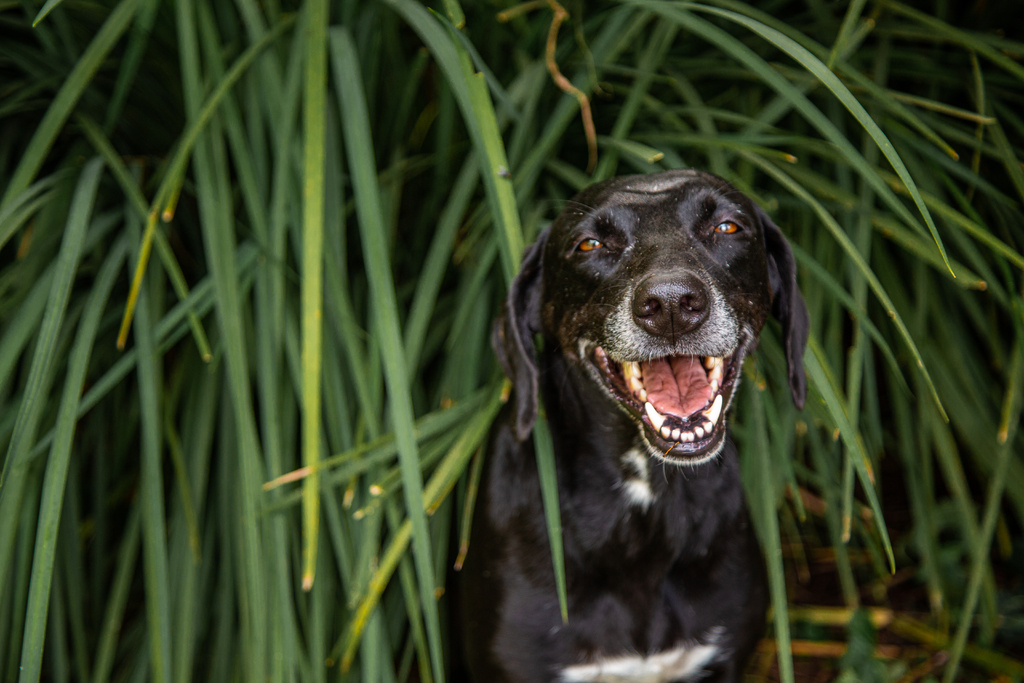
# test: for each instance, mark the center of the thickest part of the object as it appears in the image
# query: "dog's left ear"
(787, 304)
(513, 336)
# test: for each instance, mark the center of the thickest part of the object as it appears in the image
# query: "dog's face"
(657, 286)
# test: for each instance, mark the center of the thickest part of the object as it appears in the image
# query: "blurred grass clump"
(249, 256)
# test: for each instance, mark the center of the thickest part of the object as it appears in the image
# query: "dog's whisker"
(587, 210)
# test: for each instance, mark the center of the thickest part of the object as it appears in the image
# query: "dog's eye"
(589, 245)
(727, 228)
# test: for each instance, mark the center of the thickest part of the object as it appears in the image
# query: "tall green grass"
(247, 453)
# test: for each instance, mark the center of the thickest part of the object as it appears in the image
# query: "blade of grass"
(958, 220)
(312, 275)
(383, 484)
(59, 661)
(12, 479)
(772, 540)
(221, 628)
(926, 537)
(885, 99)
(619, 34)
(168, 331)
(819, 272)
(321, 603)
(60, 290)
(176, 168)
(505, 104)
(702, 140)
(283, 106)
(24, 206)
(436, 262)
(851, 251)
(19, 328)
(137, 43)
(814, 115)
(439, 485)
(470, 90)
(362, 167)
(453, 10)
(640, 151)
(409, 592)
(364, 372)
(952, 167)
(1010, 160)
(18, 213)
(380, 451)
(134, 194)
(845, 30)
(466, 525)
(948, 455)
(17, 585)
(825, 458)
(64, 102)
(549, 497)
(704, 119)
(653, 55)
(55, 479)
(217, 227)
(1007, 433)
(895, 231)
(946, 32)
(174, 448)
(816, 365)
(188, 540)
(847, 488)
(154, 527)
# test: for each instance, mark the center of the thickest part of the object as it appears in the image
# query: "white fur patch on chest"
(637, 488)
(681, 663)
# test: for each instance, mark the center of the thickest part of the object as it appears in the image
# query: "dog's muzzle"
(679, 399)
(671, 359)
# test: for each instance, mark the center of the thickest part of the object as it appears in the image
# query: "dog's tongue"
(677, 385)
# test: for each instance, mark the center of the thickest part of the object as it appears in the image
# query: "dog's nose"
(667, 306)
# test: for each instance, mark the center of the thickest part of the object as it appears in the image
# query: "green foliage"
(859, 664)
(266, 477)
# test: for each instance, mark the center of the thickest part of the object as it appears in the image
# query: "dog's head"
(658, 286)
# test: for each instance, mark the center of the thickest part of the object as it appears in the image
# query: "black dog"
(648, 291)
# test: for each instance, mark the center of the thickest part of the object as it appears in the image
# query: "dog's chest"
(685, 662)
(636, 479)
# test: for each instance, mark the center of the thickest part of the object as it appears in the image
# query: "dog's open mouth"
(679, 399)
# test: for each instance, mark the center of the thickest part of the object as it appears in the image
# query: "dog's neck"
(618, 494)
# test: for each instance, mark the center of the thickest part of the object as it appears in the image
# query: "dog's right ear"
(513, 336)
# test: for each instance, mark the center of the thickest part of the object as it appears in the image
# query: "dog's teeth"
(657, 419)
(642, 394)
(631, 369)
(709, 362)
(666, 432)
(714, 386)
(716, 370)
(687, 437)
(699, 431)
(676, 434)
(715, 411)
(635, 384)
